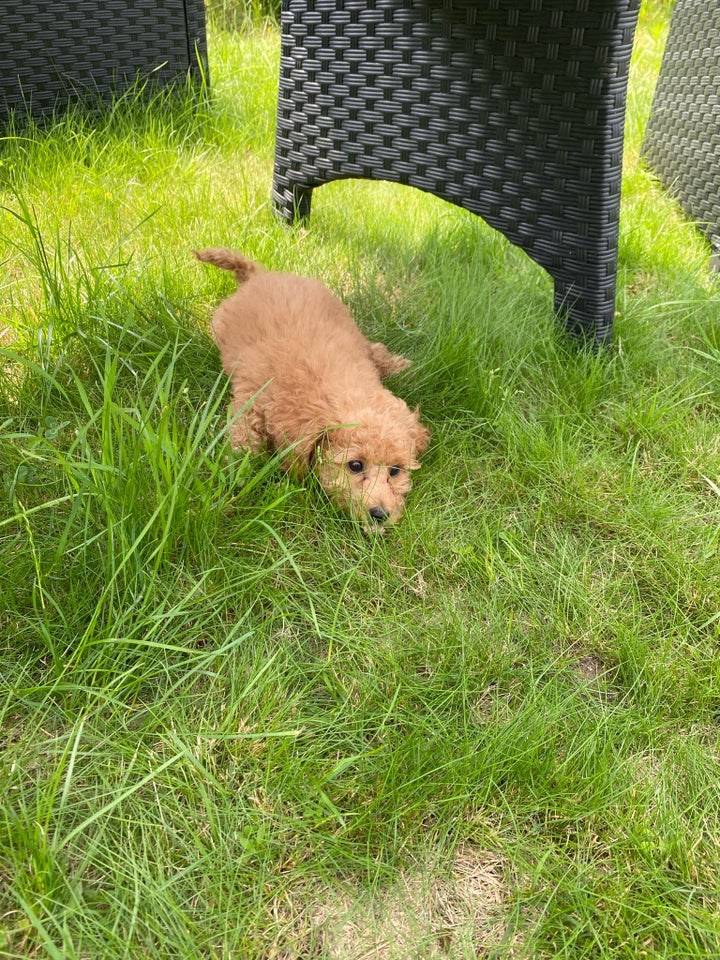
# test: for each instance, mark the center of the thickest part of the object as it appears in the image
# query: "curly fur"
(305, 380)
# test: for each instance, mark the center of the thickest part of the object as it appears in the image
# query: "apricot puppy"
(306, 381)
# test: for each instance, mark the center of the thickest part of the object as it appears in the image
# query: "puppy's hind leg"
(387, 363)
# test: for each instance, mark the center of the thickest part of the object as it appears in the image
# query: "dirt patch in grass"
(428, 913)
(597, 677)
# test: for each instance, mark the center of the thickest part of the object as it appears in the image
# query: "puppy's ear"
(420, 435)
(302, 457)
(327, 444)
(308, 423)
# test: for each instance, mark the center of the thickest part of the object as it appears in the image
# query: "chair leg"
(292, 203)
(588, 314)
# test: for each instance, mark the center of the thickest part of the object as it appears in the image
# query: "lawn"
(235, 727)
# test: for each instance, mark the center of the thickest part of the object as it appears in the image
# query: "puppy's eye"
(355, 466)
(394, 471)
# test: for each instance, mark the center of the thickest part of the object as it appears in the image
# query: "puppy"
(306, 381)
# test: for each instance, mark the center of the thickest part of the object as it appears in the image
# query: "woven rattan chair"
(513, 109)
(53, 52)
(682, 138)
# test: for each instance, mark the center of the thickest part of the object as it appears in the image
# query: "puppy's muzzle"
(379, 514)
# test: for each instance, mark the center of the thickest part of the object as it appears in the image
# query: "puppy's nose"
(379, 513)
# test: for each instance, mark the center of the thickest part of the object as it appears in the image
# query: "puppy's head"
(365, 464)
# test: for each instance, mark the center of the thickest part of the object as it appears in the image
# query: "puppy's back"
(277, 323)
(296, 316)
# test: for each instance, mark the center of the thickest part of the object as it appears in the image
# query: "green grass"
(233, 726)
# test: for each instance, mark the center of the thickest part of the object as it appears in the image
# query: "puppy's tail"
(228, 260)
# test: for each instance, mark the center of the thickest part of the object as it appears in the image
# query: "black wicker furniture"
(53, 52)
(682, 138)
(512, 109)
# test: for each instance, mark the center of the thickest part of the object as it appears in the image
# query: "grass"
(233, 726)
